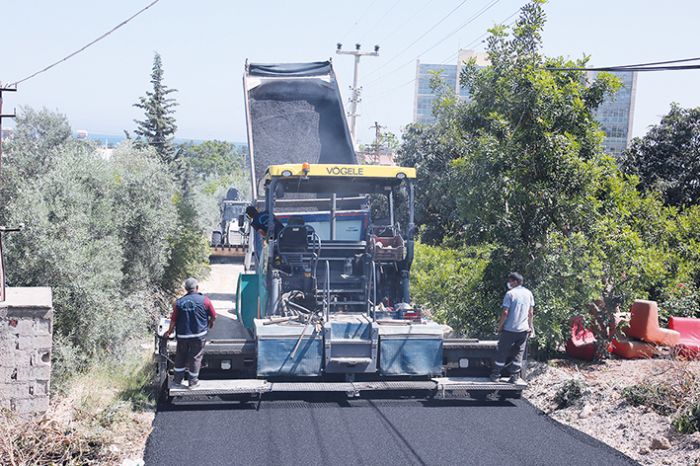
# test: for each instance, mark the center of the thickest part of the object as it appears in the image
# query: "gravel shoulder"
(603, 413)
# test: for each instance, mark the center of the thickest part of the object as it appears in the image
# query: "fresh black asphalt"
(334, 431)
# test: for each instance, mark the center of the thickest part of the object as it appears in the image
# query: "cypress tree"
(158, 127)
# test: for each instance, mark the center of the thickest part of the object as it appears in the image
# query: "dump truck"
(324, 301)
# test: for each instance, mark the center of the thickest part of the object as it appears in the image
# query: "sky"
(204, 46)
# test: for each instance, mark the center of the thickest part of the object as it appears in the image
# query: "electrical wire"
(419, 37)
(381, 18)
(478, 39)
(402, 26)
(357, 21)
(667, 62)
(467, 23)
(450, 58)
(639, 67)
(47, 68)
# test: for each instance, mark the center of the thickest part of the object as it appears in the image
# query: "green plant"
(683, 300)
(158, 127)
(97, 232)
(653, 395)
(30, 441)
(666, 158)
(448, 283)
(569, 393)
(688, 421)
(520, 169)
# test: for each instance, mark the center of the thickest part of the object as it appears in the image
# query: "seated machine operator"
(258, 220)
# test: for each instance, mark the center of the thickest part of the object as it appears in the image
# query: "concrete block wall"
(26, 325)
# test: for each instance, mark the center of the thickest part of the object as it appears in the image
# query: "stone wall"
(26, 324)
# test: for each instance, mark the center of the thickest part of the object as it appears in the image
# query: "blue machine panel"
(275, 347)
(351, 330)
(410, 356)
(414, 349)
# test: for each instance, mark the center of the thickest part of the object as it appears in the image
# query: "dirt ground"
(603, 413)
(94, 421)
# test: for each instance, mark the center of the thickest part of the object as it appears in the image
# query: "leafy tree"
(214, 167)
(188, 253)
(448, 283)
(213, 159)
(145, 213)
(667, 158)
(37, 133)
(96, 233)
(158, 127)
(520, 169)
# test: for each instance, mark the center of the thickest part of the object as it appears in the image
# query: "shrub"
(449, 282)
(688, 421)
(47, 442)
(655, 396)
(678, 394)
(569, 393)
(96, 233)
(683, 300)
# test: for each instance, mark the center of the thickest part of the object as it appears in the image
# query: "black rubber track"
(325, 430)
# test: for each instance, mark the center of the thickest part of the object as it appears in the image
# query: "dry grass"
(101, 417)
(46, 441)
(632, 406)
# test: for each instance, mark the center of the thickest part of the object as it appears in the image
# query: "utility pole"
(356, 89)
(12, 115)
(2, 265)
(4, 229)
(377, 141)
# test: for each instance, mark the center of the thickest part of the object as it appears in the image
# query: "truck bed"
(295, 114)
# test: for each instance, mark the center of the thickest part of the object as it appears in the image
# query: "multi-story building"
(425, 96)
(615, 114)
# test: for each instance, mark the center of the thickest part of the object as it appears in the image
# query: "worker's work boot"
(495, 377)
(177, 382)
(194, 383)
(517, 380)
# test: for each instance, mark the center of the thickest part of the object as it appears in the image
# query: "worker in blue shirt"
(258, 220)
(514, 327)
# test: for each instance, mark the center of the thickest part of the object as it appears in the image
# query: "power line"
(87, 45)
(402, 26)
(468, 22)
(451, 57)
(357, 21)
(631, 68)
(478, 39)
(419, 37)
(668, 62)
(381, 18)
(651, 66)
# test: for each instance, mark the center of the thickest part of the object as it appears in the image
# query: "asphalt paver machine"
(324, 303)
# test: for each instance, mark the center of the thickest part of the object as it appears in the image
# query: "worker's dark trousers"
(188, 357)
(511, 345)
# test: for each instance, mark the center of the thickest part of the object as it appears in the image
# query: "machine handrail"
(328, 291)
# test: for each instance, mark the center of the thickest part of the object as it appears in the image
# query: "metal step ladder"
(350, 344)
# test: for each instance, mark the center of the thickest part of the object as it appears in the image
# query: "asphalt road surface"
(325, 431)
(331, 430)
